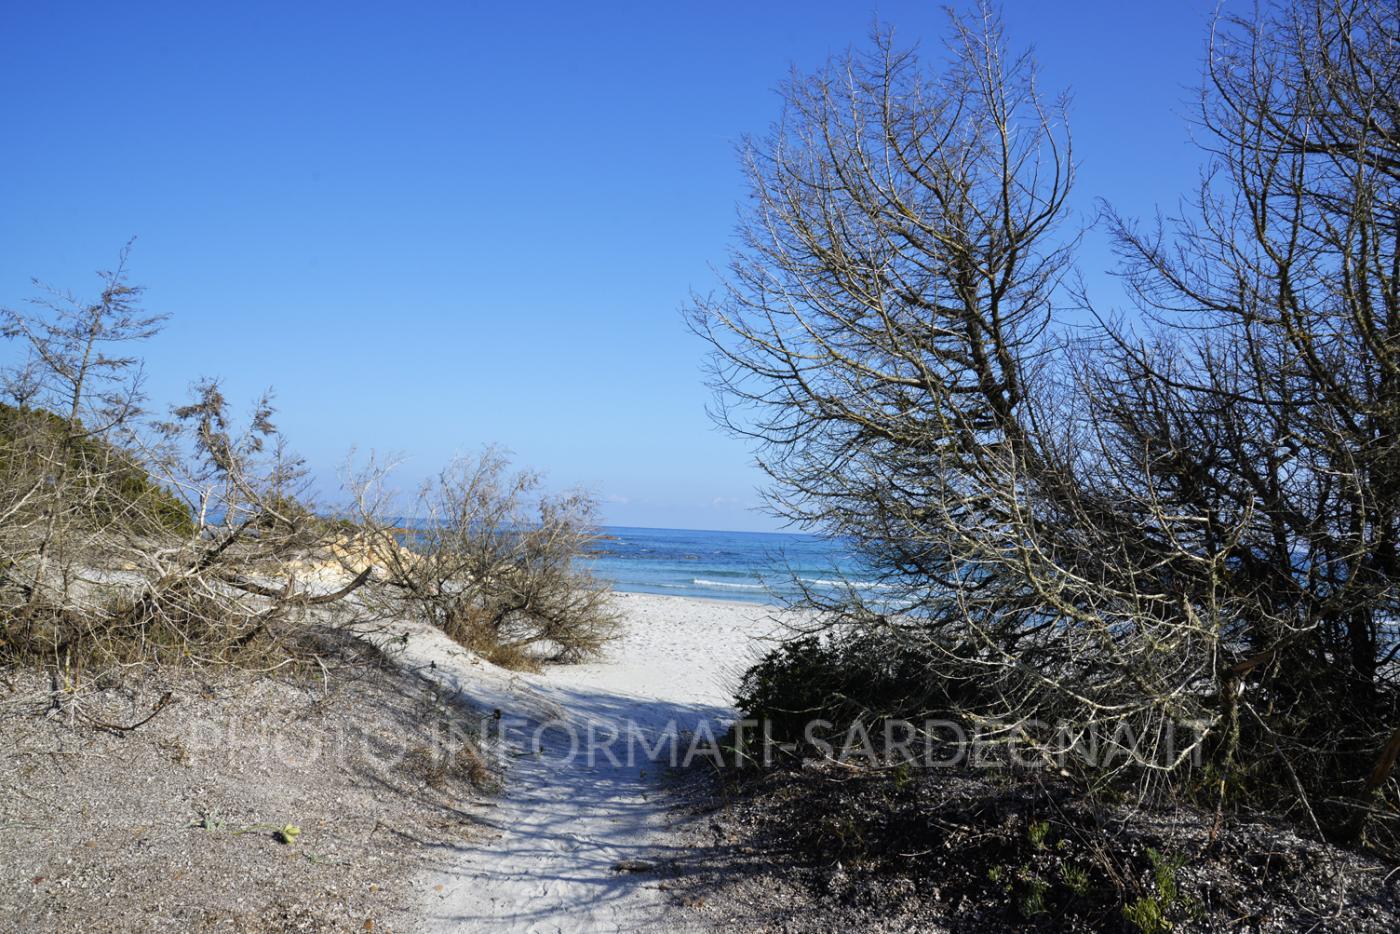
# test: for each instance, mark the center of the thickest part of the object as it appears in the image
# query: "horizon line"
(667, 528)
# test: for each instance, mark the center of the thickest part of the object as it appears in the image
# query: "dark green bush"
(845, 677)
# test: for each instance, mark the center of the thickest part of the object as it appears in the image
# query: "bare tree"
(1279, 411)
(897, 273)
(882, 328)
(1116, 535)
(73, 370)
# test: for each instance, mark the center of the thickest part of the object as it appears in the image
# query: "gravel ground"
(819, 850)
(173, 826)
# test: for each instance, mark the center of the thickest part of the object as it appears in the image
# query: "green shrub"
(846, 676)
(114, 486)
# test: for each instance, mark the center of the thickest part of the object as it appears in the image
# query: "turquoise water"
(747, 566)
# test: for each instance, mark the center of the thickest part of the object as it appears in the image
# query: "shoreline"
(758, 568)
(720, 601)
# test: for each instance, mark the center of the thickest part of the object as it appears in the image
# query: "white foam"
(701, 582)
(841, 585)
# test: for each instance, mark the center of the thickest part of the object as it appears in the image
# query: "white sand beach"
(548, 859)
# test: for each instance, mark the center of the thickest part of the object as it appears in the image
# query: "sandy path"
(547, 860)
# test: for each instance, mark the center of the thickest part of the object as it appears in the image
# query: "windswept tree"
(882, 333)
(898, 272)
(77, 382)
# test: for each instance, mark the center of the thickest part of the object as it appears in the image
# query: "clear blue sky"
(433, 225)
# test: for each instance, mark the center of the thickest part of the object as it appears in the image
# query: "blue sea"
(755, 567)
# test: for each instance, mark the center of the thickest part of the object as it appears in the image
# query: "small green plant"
(1076, 879)
(1033, 897)
(208, 820)
(1164, 872)
(1151, 914)
(1147, 916)
(1037, 832)
(844, 834)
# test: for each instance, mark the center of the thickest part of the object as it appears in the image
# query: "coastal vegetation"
(193, 679)
(1158, 554)
(491, 560)
(193, 539)
(1123, 648)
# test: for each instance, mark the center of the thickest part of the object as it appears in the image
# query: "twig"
(117, 729)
